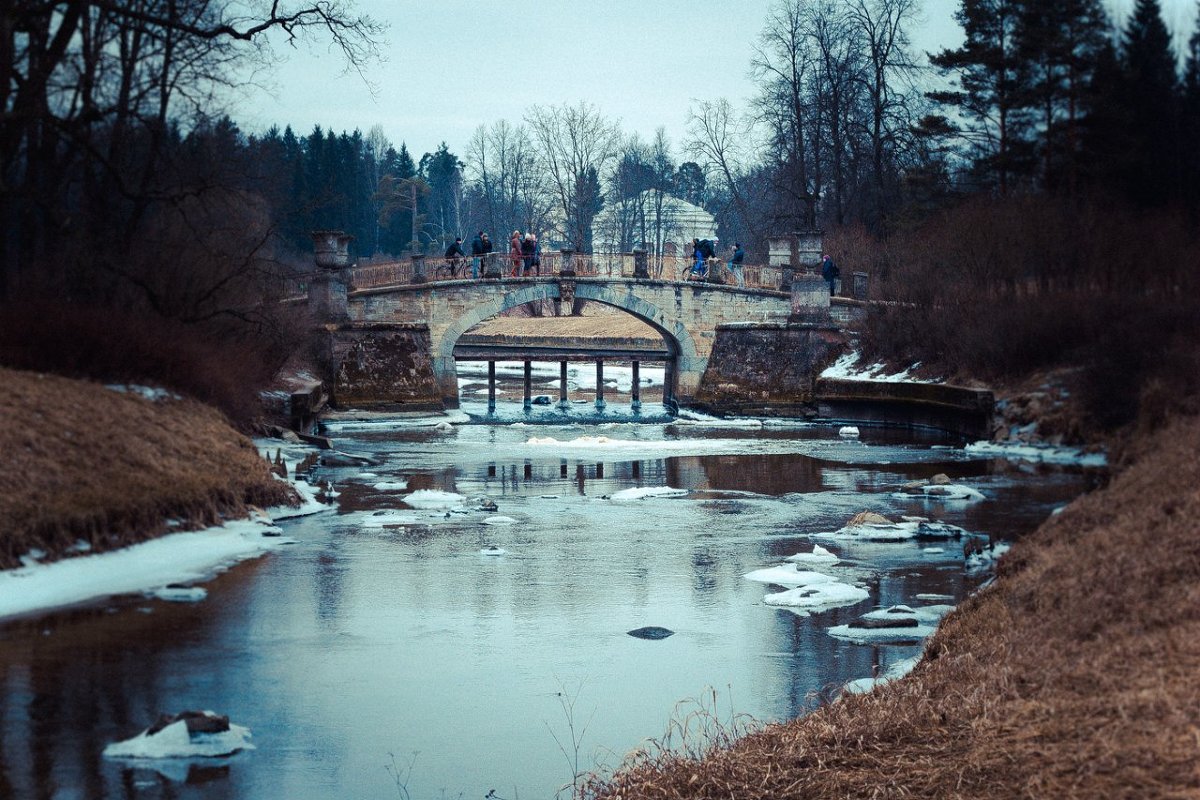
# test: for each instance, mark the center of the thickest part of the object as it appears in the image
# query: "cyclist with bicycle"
(454, 256)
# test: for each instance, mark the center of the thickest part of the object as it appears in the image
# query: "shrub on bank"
(222, 364)
(998, 288)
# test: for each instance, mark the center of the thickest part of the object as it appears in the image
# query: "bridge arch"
(678, 339)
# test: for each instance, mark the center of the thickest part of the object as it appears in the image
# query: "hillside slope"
(92, 468)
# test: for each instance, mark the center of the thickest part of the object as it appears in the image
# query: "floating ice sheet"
(174, 741)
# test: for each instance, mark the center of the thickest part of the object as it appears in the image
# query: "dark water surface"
(362, 641)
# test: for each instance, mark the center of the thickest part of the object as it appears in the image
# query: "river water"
(383, 656)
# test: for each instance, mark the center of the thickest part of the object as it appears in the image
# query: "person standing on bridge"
(698, 258)
(830, 272)
(477, 252)
(453, 253)
(528, 246)
(514, 252)
(735, 265)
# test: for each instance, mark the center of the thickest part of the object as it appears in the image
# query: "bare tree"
(888, 80)
(576, 145)
(785, 64)
(717, 138)
(91, 94)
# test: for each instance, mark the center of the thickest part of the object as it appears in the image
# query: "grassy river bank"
(92, 468)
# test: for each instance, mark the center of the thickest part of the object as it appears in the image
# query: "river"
(384, 656)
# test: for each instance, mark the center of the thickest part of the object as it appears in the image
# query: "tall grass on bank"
(1073, 676)
(106, 468)
(995, 289)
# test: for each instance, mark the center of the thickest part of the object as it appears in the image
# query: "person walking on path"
(830, 272)
(735, 265)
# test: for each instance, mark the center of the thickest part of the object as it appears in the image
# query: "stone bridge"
(435, 315)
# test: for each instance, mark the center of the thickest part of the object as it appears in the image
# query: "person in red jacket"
(514, 250)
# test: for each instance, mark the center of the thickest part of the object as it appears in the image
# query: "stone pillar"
(562, 384)
(641, 264)
(528, 385)
(808, 250)
(491, 387)
(636, 388)
(861, 288)
(810, 298)
(327, 287)
(669, 386)
(600, 384)
(418, 271)
(491, 266)
(567, 267)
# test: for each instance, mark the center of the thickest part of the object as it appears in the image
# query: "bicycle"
(715, 271)
(451, 269)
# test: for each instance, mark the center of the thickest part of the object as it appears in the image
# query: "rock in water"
(651, 632)
(868, 518)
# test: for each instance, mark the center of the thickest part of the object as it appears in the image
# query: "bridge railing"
(595, 265)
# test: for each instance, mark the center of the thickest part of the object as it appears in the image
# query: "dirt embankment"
(110, 468)
(1072, 676)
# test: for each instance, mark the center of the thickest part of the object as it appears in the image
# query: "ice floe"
(879, 529)
(499, 520)
(788, 575)
(492, 551)
(433, 499)
(643, 492)
(848, 432)
(176, 741)
(895, 671)
(818, 597)
(895, 624)
(391, 486)
(388, 519)
(179, 594)
(818, 556)
(984, 561)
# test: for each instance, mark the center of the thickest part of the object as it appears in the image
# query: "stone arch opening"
(677, 340)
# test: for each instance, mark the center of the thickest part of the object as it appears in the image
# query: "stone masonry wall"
(767, 368)
(383, 367)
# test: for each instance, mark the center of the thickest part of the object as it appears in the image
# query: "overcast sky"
(453, 65)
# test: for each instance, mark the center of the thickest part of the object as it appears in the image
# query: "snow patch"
(1044, 454)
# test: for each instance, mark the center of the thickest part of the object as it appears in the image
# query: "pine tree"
(992, 80)
(1060, 42)
(1151, 95)
(1190, 119)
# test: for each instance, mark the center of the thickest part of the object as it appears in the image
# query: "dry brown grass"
(1073, 676)
(88, 463)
